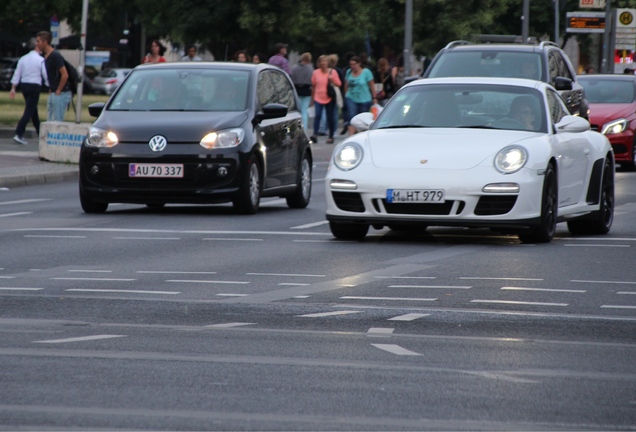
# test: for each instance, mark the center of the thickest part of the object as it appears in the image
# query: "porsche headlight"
(614, 127)
(101, 138)
(348, 156)
(511, 159)
(223, 139)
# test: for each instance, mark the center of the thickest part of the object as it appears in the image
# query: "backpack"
(73, 77)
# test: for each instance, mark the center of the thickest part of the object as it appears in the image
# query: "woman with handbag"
(384, 87)
(359, 91)
(323, 95)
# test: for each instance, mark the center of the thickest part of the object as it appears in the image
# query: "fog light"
(94, 170)
(222, 171)
(501, 188)
(343, 184)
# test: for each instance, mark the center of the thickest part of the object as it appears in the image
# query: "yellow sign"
(626, 18)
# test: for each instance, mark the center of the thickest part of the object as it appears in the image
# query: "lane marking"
(286, 274)
(20, 289)
(604, 282)
(500, 278)
(507, 288)
(229, 325)
(328, 314)
(388, 298)
(301, 297)
(54, 236)
(207, 281)
(25, 201)
(232, 295)
(313, 241)
(93, 279)
(380, 331)
(173, 272)
(15, 214)
(396, 349)
(292, 284)
(432, 286)
(311, 225)
(199, 232)
(7, 277)
(626, 292)
(231, 239)
(147, 238)
(519, 303)
(274, 202)
(123, 291)
(599, 239)
(90, 271)
(408, 317)
(80, 339)
(617, 307)
(405, 277)
(597, 245)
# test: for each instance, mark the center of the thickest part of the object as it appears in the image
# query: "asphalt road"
(194, 318)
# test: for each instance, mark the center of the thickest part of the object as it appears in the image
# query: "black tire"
(91, 206)
(549, 207)
(599, 222)
(301, 196)
(248, 197)
(346, 231)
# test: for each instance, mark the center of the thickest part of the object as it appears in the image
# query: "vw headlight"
(101, 138)
(511, 159)
(223, 139)
(348, 156)
(614, 127)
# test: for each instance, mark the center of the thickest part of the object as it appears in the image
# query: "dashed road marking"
(380, 331)
(405, 277)
(93, 279)
(20, 289)
(147, 238)
(499, 278)
(408, 317)
(626, 292)
(388, 298)
(604, 282)
(432, 286)
(25, 201)
(80, 339)
(508, 288)
(511, 302)
(55, 236)
(328, 314)
(232, 239)
(311, 225)
(597, 245)
(207, 281)
(617, 307)
(229, 325)
(286, 274)
(231, 295)
(174, 272)
(122, 291)
(15, 214)
(396, 349)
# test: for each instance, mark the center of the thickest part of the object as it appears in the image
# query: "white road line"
(25, 201)
(7, 277)
(311, 225)
(404, 277)
(200, 232)
(229, 325)
(20, 289)
(432, 286)
(408, 317)
(597, 245)
(15, 214)
(55, 236)
(123, 291)
(293, 284)
(207, 281)
(80, 339)
(93, 279)
(232, 295)
(600, 239)
(519, 303)
(89, 271)
(626, 292)
(617, 307)
(604, 282)
(173, 272)
(233, 239)
(146, 238)
(301, 297)
(286, 274)
(396, 349)
(328, 314)
(313, 241)
(388, 298)
(508, 288)
(499, 278)
(274, 202)
(380, 331)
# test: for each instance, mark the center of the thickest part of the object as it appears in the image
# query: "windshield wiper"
(477, 127)
(403, 126)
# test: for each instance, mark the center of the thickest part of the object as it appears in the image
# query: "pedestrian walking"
(301, 77)
(383, 81)
(155, 53)
(29, 74)
(359, 89)
(321, 79)
(191, 54)
(279, 59)
(59, 89)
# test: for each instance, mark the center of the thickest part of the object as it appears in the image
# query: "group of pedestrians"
(42, 65)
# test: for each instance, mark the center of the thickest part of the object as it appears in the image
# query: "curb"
(37, 179)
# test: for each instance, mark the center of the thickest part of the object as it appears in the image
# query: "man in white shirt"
(30, 74)
(191, 51)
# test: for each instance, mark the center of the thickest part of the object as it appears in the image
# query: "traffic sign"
(592, 4)
(585, 22)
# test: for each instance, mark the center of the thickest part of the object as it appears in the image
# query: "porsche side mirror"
(572, 123)
(362, 121)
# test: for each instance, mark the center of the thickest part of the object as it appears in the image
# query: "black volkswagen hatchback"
(198, 133)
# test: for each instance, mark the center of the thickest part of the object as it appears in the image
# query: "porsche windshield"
(465, 106)
(182, 90)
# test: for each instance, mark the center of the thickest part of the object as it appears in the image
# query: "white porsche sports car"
(501, 153)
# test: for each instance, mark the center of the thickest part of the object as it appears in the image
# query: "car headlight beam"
(511, 159)
(101, 138)
(223, 139)
(614, 127)
(347, 156)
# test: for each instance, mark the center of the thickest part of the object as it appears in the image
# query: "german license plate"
(415, 196)
(155, 170)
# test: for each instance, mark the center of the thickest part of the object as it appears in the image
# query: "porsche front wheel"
(348, 231)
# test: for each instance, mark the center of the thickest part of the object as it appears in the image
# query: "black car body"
(7, 69)
(543, 62)
(201, 133)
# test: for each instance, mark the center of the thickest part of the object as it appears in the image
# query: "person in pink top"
(320, 79)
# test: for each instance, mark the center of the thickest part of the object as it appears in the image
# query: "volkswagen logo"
(158, 143)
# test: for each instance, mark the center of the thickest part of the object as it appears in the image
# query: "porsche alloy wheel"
(348, 231)
(549, 202)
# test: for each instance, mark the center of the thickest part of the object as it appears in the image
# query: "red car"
(612, 101)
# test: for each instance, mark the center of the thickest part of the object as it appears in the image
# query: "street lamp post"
(408, 37)
(82, 63)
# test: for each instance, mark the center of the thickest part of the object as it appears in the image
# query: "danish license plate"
(415, 196)
(155, 170)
